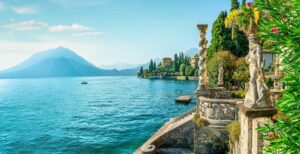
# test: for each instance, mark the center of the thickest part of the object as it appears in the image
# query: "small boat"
(84, 82)
(184, 99)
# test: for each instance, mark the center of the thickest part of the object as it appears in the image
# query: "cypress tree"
(241, 44)
(141, 70)
(151, 66)
(239, 38)
(221, 36)
(154, 66)
(176, 64)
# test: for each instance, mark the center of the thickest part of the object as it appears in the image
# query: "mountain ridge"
(58, 62)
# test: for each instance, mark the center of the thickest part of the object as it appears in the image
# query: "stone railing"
(218, 112)
(275, 95)
(184, 115)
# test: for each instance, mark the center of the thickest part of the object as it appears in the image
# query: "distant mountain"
(191, 52)
(58, 62)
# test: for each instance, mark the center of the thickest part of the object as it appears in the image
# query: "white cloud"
(24, 10)
(26, 25)
(70, 28)
(88, 34)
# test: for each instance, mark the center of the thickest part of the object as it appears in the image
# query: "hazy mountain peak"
(58, 62)
(54, 53)
(191, 52)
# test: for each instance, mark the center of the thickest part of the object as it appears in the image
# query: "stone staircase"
(167, 132)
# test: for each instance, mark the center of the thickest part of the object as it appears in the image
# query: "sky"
(104, 31)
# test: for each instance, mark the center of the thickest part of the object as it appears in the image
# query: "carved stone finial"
(258, 93)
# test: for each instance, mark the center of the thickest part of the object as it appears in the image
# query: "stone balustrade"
(275, 95)
(218, 112)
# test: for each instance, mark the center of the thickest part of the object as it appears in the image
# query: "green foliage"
(176, 63)
(228, 61)
(239, 94)
(234, 5)
(141, 71)
(182, 69)
(196, 72)
(151, 66)
(234, 129)
(241, 73)
(144, 74)
(196, 55)
(280, 25)
(269, 82)
(180, 65)
(200, 122)
(243, 3)
(240, 43)
(221, 36)
(189, 71)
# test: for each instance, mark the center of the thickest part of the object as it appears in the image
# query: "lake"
(109, 115)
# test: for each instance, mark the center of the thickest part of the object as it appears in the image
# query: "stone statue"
(258, 93)
(221, 76)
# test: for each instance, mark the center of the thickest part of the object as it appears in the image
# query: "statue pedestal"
(249, 140)
(202, 91)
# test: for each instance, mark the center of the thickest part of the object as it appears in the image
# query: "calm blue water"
(109, 115)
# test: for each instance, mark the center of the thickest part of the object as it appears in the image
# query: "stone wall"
(181, 137)
(210, 141)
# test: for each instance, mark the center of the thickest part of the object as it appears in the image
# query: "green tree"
(176, 63)
(234, 5)
(239, 38)
(151, 66)
(228, 61)
(280, 25)
(241, 73)
(243, 3)
(221, 36)
(141, 71)
(189, 71)
(240, 43)
(196, 73)
(154, 66)
(182, 69)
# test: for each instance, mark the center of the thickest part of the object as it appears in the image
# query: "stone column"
(250, 140)
(202, 86)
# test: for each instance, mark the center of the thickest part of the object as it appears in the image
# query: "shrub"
(228, 61)
(200, 122)
(239, 94)
(234, 130)
(280, 25)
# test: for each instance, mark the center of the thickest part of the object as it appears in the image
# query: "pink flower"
(275, 30)
(249, 4)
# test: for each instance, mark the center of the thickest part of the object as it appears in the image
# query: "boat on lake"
(84, 82)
